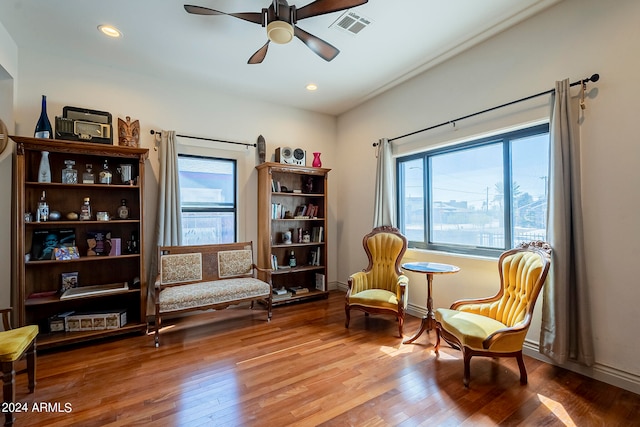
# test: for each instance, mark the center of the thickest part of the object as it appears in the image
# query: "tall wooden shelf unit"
(34, 278)
(272, 204)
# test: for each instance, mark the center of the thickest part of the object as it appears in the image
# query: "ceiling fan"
(280, 20)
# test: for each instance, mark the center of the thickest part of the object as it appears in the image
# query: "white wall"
(574, 39)
(8, 72)
(174, 105)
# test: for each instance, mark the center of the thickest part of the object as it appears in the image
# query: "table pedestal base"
(428, 321)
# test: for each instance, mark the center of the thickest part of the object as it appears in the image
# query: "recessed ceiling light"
(311, 87)
(110, 31)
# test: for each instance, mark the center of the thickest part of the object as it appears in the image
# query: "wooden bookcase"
(35, 281)
(282, 191)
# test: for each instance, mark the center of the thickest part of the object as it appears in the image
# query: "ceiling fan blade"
(258, 57)
(323, 49)
(255, 17)
(199, 10)
(320, 7)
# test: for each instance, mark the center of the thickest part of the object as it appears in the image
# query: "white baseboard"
(600, 372)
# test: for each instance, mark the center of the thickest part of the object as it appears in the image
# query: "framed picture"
(44, 242)
(69, 280)
(66, 253)
(98, 243)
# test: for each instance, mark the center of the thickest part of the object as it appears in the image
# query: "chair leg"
(31, 366)
(400, 325)
(156, 335)
(347, 312)
(467, 367)
(523, 370)
(8, 389)
(437, 346)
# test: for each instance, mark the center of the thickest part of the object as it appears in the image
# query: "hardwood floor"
(232, 368)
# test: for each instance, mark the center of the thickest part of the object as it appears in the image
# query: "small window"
(208, 199)
(481, 197)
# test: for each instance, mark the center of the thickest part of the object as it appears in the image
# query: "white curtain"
(169, 215)
(566, 328)
(384, 212)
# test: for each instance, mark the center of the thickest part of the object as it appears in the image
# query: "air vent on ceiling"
(351, 22)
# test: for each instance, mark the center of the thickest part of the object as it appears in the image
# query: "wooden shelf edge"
(289, 245)
(33, 302)
(298, 269)
(59, 339)
(81, 259)
(294, 298)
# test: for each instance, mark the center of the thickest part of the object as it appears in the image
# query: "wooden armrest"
(262, 270)
(6, 320)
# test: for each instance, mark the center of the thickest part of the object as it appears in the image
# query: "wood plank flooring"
(232, 368)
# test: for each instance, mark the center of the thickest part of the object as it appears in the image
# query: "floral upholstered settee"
(207, 277)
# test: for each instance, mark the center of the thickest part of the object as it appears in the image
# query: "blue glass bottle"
(43, 127)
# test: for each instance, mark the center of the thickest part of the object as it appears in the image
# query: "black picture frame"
(43, 242)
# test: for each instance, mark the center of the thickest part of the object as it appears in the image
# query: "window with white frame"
(481, 197)
(208, 199)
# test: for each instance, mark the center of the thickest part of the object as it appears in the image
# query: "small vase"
(44, 173)
(317, 163)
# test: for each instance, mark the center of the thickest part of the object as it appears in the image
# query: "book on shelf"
(314, 256)
(320, 282)
(299, 290)
(317, 234)
(277, 211)
(282, 297)
(280, 291)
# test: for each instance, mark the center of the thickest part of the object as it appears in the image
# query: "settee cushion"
(204, 294)
(235, 263)
(180, 268)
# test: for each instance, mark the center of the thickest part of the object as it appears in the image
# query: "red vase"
(317, 163)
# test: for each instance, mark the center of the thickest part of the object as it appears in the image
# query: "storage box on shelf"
(38, 275)
(292, 220)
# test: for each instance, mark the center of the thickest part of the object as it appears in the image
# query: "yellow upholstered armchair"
(381, 287)
(14, 344)
(497, 326)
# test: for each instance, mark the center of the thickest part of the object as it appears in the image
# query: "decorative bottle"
(85, 210)
(44, 172)
(87, 176)
(123, 210)
(43, 208)
(105, 174)
(43, 127)
(317, 163)
(292, 259)
(69, 174)
(132, 245)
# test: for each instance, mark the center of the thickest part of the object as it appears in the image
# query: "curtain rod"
(207, 139)
(593, 78)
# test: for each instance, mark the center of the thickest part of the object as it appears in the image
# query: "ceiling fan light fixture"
(280, 32)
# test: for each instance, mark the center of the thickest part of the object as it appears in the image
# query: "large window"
(481, 197)
(208, 199)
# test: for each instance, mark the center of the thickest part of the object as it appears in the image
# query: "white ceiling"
(405, 38)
